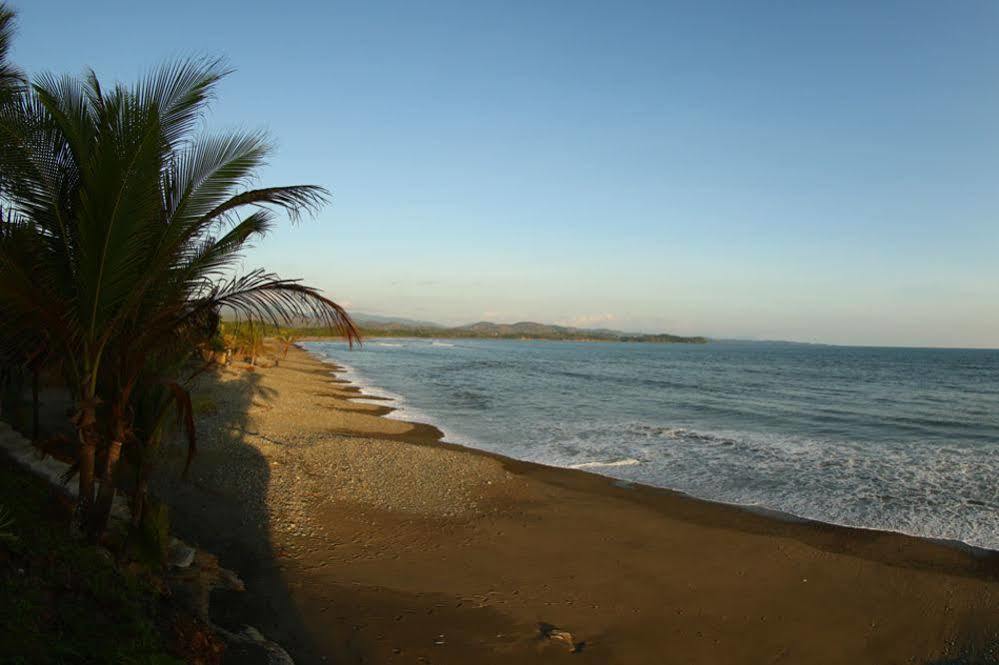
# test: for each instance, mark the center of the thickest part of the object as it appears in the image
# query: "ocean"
(890, 438)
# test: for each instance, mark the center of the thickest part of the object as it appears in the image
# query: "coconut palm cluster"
(122, 223)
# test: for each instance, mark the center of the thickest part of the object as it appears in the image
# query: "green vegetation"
(62, 601)
(249, 340)
(6, 523)
(121, 230)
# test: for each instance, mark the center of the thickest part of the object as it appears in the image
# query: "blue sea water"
(887, 438)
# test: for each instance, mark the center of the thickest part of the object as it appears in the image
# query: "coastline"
(403, 410)
(412, 547)
(437, 435)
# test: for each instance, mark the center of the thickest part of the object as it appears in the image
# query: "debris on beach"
(555, 634)
(180, 555)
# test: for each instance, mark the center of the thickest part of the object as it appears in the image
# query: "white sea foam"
(445, 344)
(596, 465)
(919, 490)
(897, 479)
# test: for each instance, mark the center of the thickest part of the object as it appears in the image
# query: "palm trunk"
(86, 462)
(146, 449)
(105, 496)
(138, 503)
(86, 428)
(34, 405)
(85, 421)
(139, 498)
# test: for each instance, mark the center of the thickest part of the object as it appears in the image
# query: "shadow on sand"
(222, 508)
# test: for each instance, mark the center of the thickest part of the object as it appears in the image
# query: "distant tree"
(251, 342)
(287, 339)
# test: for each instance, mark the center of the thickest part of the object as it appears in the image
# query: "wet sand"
(365, 539)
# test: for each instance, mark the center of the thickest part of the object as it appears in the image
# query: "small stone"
(555, 634)
(180, 555)
(253, 634)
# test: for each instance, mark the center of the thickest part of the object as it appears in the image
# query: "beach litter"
(555, 634)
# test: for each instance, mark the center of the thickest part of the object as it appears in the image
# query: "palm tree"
(251, 342)
(288, 339)
(123, 230)
(11, 77)
(11, 81)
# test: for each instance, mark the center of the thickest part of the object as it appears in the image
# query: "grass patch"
(62, 601)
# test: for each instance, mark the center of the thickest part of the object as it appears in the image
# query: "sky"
(812, 171)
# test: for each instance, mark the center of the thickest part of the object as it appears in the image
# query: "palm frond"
(295, 200)
(66, 101)
(263, 296)
(179, 91)
(210, 169)
(214, 256)
(10, 76)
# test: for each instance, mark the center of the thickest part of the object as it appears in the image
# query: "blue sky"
(817, 171)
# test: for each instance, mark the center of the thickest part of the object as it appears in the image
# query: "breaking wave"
(597, 465)
(898, 439)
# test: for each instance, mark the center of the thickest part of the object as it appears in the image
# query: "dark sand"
(364, 539)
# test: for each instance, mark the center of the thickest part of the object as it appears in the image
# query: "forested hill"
(384, 327)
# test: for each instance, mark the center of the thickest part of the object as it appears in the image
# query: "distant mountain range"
(384, 326)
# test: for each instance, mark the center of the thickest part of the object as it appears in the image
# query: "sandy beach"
(364, 539)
